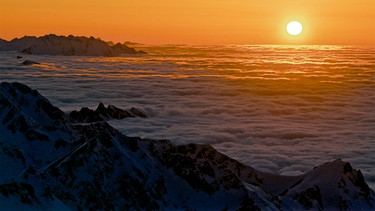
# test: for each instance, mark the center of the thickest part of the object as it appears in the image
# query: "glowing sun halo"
(294, 28)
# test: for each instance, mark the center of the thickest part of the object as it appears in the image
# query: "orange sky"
(193, 21)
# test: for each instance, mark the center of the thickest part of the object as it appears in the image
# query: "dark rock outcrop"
(29, 62)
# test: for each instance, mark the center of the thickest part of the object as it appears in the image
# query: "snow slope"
(52, 162)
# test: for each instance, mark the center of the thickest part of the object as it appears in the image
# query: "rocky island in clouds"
(69, 46)
(52, 160)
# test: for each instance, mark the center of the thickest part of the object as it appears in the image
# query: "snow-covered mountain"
(52, 161)
(61, 45)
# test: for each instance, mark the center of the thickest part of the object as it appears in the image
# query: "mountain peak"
(52, 44)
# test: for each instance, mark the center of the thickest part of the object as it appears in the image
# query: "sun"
(294, 28)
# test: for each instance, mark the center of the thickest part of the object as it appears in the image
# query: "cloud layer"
(278, 109)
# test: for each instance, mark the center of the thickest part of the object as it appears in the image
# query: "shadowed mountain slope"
(51, 161)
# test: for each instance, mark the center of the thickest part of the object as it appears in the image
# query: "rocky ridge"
(54, 161)
(102, 113)
(66, 45)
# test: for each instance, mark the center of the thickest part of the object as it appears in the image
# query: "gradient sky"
(193, 21)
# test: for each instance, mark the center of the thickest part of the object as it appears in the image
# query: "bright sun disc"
(294, 28)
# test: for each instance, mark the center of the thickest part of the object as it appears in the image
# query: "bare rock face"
(69, 46)
(58, 161)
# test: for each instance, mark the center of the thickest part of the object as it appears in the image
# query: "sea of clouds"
(278, 109)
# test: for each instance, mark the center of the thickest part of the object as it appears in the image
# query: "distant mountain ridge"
(66, 45)
(51, 161)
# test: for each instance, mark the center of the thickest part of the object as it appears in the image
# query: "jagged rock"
(69, 46)
(310, 198)
(95, 167)
(102, 113)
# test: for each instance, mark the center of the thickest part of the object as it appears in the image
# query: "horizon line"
(129, 42)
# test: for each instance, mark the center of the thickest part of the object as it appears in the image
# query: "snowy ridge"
(54, 163)
(69, 46)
